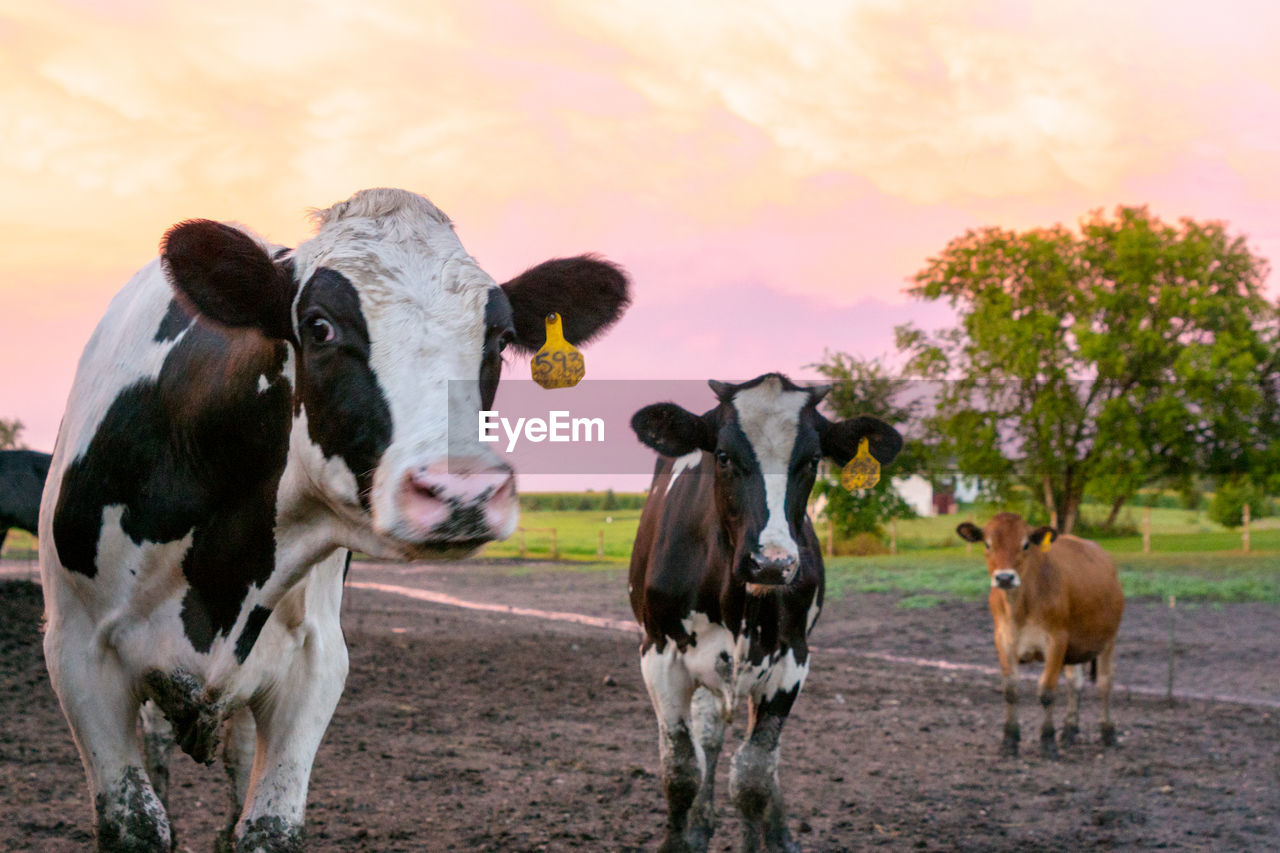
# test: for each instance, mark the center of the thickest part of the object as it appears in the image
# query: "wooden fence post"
(831, 537)
(599, 543)
(1146, 531)
(1245, 534)
(555, 548)
(1172, 615)
(893, 536)
(524, 552)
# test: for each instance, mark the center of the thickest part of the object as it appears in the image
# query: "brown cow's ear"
(673, 431)
(970, 532)
(228, 277)
(1038, 535)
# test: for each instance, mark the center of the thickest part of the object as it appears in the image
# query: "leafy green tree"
(865, 387)
(1227, 506)
(9, 432)
(1131, 352)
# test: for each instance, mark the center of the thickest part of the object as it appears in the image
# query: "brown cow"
(1057, 601)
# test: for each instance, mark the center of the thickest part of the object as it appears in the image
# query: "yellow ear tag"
(1046, 542)
(558, 364)
(863, 471)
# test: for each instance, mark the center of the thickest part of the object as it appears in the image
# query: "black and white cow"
(22, 475)
(726, 581)
(242, 415)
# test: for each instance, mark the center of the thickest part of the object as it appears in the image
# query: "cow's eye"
(722, 459)
(320, 330)
(1026, 544)
(504, 339)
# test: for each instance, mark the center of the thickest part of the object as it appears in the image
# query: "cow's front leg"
(1006, 649)
(670, 690)
(157, 738)
(1054, 654)
(291, 718)
(103, 711)
(753, 776)
(1071, 722)
(238, 745)
(708, 733)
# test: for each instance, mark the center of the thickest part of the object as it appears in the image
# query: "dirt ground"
(466, 730)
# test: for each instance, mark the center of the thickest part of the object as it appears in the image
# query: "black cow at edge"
(242, 415)
(726, 581)
(22, 476)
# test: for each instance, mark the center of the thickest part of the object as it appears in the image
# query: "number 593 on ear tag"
(863, 471)
(558, 364)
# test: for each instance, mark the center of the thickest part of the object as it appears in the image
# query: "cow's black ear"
(1037, 536)
(840, 439)
(671, 430)
(588, 293)
(970, 532)
(227, 276)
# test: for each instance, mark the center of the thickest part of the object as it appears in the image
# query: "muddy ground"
(465, 730)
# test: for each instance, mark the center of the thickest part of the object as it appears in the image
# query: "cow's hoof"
(1048, 746)
(1009, 746)
(1069, 735)
(1108, 734)
(675, 844)
(270, 835)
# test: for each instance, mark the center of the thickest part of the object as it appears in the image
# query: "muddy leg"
(157, 739)
(1071, 722)
(753, 785)
(708, 733)
(103, 714)
(1047, 687)
(670, 690)
(1106, 677)
(237, 757)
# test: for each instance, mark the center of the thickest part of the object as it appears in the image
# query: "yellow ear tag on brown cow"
(1046, 542)
(558, 364)
(863, 471)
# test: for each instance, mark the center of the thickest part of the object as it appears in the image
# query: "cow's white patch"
(1031, 640)
(769, 416)
(683, 463)
(812, 619)
(263, 383)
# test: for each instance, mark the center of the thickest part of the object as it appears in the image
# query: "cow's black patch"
(347, 413)
(252, 628)
(199, 450)
(175, 322)
(498, 332)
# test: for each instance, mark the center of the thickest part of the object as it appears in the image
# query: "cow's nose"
(774, 564)
(1004, 579)
(459, 498)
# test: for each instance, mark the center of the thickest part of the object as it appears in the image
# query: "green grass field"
(1193, 558)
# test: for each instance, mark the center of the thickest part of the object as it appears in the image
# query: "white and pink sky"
(769, 171)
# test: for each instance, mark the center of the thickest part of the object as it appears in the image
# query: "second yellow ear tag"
(558, 364)
(863, 471)
(1046, 542)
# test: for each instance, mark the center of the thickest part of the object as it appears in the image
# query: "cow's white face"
(396, 332)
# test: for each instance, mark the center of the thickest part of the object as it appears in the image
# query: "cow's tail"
(1093, 670)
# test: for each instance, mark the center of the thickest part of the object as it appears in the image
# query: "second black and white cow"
(726, 581)
(22, 475)
(242, 415)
